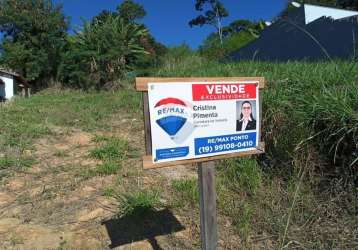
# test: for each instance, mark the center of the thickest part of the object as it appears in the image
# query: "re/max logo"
(172, 110)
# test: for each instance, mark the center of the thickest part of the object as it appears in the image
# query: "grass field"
(300, 195)
(305, 104)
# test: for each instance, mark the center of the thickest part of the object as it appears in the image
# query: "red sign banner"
(225, 91)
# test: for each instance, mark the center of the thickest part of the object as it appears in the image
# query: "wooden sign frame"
(142, 85)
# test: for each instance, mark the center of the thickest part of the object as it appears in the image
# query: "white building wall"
(314, 12)
(9, 87)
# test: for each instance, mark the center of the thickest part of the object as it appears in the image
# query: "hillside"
(71, 176)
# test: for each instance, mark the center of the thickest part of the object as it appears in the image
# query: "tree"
(212, 16)
(128, 10)
(236, 35)
(34, 33)
(102, 52)
(131, 11)
(254, 28)
(102, 16)
(212, 49)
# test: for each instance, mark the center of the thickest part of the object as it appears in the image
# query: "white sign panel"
(201, 119)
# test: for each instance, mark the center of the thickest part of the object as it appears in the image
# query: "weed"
(63, 245)
(48, 194)
(23, 198)
(185, 192)
(241, 174)
(108, 168)
(119, 181)
(243, 221)
(139, 202)
(109, 192)
(112, 149)
(85, 174)
(16, 240)
(16, 162)
(100, 138)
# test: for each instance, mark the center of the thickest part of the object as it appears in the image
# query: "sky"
(168, 20)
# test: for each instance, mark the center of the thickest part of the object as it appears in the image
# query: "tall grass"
(304, 104)
(302, 191)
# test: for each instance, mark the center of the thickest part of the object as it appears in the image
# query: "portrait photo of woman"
(246, 120)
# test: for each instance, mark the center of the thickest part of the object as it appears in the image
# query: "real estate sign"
(199, 119)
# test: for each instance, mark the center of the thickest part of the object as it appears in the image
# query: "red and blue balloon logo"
(172, 115)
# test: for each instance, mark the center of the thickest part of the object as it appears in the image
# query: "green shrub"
(16, 162)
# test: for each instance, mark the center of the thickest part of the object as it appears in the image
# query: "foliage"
(16, 162)
(130, 11)
(108, 47)
(34, 34)
(139, 203)
(102, 17)
(254, 28)
(109, 192)
(37, 46)
(153, 58)
(212, 49)
(176, 54)
(212, 16)
(235, 36)
(101, 53)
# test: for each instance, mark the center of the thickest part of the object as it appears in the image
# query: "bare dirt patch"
(38, 205)
(6, 198)
(57, 204)
(179, 172)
